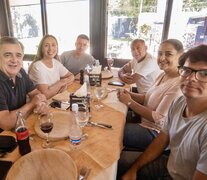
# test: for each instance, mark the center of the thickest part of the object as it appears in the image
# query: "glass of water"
(83, 116)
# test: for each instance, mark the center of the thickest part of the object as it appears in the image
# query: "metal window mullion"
(44, 17)
(166, 24)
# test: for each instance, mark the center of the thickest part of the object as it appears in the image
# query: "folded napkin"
(63, 97)
(82, 91)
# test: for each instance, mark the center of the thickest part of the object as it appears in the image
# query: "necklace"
(164, 78)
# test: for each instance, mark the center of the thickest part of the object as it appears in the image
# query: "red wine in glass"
(46, 127)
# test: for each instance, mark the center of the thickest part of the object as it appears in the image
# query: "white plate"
(106, 74)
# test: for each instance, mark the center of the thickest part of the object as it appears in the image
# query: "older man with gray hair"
(15, 85)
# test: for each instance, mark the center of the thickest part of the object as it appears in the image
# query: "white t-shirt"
(148, 69)
(41, 74)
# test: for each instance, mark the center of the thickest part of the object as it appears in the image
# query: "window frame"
(98, 27)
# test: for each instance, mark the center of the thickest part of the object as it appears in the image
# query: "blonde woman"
(46, 71)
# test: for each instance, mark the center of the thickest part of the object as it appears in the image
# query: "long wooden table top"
(102, 147)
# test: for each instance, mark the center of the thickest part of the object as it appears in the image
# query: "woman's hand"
(124, 96)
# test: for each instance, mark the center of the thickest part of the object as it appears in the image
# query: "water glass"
(83, 116)
(99, 92)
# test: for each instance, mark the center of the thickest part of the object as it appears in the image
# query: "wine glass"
(99, 92)
(110, 62)
(89, 68)
(46, 125)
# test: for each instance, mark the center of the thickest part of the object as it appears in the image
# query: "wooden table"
(101, 150)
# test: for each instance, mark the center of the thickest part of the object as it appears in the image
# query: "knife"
(102, 125)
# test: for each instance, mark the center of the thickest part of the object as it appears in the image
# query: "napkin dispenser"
(95, 79)
(95, 75)
(81, 101)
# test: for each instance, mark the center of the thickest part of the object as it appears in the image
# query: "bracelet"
(129, 103)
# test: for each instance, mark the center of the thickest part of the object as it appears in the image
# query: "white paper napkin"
(82, 91)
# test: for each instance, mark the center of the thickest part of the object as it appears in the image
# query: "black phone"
(116, 83)
(55, 104)
(4, 168)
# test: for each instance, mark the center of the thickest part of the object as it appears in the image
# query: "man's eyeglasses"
(200, 75)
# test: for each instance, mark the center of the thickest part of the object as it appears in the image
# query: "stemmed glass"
(110, 62)
(46, 125)
(99, 92)
(89, 68)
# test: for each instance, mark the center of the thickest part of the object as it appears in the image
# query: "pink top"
(159, 98)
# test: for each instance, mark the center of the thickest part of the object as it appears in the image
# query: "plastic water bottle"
(86, 80)
(75, 132)
(75, 111)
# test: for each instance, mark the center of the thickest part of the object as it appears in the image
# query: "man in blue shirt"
(15, 85)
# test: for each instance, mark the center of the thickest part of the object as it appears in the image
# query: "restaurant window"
(66, 20)
(26, 22)
(130, 19)
(192, 23)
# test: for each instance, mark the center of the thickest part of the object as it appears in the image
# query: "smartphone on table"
(116, 83)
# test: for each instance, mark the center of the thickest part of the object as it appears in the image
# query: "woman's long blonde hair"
(39, 55)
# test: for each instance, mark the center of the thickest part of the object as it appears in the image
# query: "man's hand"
(135, 77)
(63, 88)
(40, 104)
(38, 98)
(130, 78)
(127, 78)
(41, 108)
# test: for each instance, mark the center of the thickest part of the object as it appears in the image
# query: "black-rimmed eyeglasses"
(200, 75)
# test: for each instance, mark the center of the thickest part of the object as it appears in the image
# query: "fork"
(84, 172)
